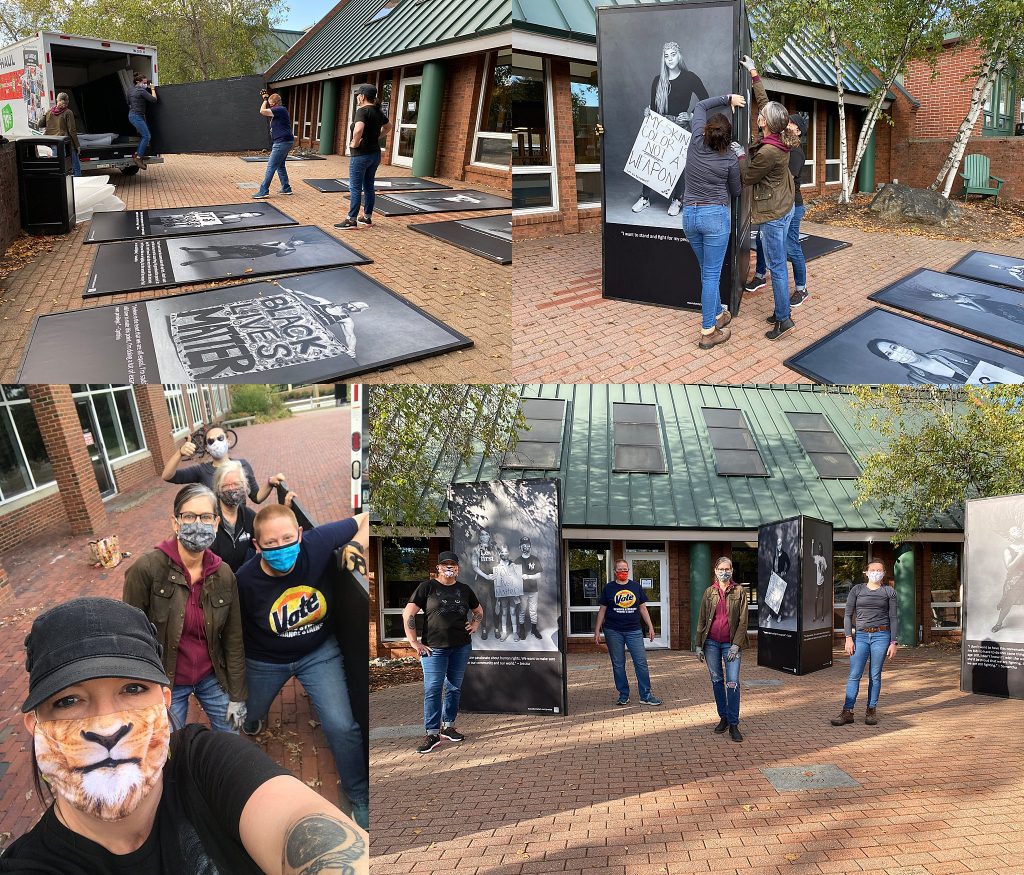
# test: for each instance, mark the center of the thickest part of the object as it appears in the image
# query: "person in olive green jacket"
(721, 635)
(191, 597)
(60, 122)
(767, 170)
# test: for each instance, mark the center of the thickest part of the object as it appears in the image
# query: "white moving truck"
(96, 74)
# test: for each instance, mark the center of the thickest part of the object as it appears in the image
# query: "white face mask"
(448, 572)
(875, 576)
(219, 448)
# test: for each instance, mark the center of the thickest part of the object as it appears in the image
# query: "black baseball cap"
(523, 540)
(447, 556)
(367, 90)
(89, 638)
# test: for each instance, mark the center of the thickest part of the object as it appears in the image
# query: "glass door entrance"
(94, 444)
(650, 570)
(408, 112)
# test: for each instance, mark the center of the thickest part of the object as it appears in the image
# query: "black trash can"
(1019, 130)
(46, 185)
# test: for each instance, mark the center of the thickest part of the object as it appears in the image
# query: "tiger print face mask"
(104, 766)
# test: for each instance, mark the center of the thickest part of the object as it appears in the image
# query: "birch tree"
(996, 29)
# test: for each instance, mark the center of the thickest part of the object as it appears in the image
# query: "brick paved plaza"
(469, 293)
(643, 791)
(573, 335)
(54, 568)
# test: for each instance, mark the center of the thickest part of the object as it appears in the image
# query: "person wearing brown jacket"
(721, 635)
(767, 170)
(60, 122)
(191, 597)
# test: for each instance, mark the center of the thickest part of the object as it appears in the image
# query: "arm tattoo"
(410, 623)
(319, 843)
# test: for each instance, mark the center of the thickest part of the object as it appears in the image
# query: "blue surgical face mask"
(281, 558)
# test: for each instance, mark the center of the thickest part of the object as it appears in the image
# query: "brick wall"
(135, 473)
(6, 592)
(10, 209)
(918, 161)
(41, 516)
(945, 98)
(156, 424)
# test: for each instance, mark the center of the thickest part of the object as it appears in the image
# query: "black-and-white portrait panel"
(817, 575)
(778, 574)
(662, 59)
(993, 600)
(180, 221)
(1005, 270)
(880, 347)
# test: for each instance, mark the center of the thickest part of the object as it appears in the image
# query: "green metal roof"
(802, 59)
(282, 40)
(692, 495)
(347, 37)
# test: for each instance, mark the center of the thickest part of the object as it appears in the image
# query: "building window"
(533, 162)
(195, 405)
(832, 174)
(744, 572)
(117, 418)
(636, 435)
(583, 94)
(589, 570)
(24, 463)
(384, 11)
(403, 568)
(539, 444)
(827, 452)
(493, 141)
(736, 454)
(809, 108)
(945, 587)
(998, 111)
(176, 408)
(847, 571)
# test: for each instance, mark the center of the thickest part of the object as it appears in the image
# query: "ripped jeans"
(725, 682)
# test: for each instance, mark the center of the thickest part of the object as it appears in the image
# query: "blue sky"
(305, 13)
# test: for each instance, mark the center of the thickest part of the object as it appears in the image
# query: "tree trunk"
(978, 97)
(837, 65)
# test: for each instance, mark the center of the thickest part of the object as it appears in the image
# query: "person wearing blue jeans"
(211, 695)
(369, 123)
(282, 140)
(288, 592)
(362, 172)
(721, 636)
(712, 181)
(451, 614)
(622, 609)
(774, 235)
(876, 609)
(141, 93)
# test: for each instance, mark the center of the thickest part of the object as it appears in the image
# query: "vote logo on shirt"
(625, 599)
(298, 611)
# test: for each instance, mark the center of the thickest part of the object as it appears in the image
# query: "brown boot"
(707, 341)
(844, 717)
(870, 717)
(723, 319)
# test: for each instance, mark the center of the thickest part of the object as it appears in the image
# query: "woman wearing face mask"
(190, 595)
(128, 795)
(217, 447)
(721, 635)
(877, 613)
(451, 614)
(235, 529)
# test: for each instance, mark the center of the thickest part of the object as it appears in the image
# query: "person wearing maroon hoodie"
(191, 597)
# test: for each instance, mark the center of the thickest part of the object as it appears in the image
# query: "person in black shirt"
(444, 652)
(131, 796)
(532, 571)
(368, 124)
(234, 540)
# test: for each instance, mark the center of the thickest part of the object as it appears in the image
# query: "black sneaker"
(798, 297)
(623, 700)
(758, 282)
(452, 734)
(429, 743)
(347, 225)
(365, 220)
(252, 727)
(723, 724)
(780, 329)
(536, 634)
(771, 320)
(734, 733)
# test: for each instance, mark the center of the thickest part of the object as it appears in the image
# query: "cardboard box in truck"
(96, 74)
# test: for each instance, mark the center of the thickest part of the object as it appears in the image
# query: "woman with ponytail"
(60, 122)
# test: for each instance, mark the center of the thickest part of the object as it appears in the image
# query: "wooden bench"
(241, 421)
(976, 177)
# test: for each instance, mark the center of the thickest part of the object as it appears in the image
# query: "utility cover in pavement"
(796, 778)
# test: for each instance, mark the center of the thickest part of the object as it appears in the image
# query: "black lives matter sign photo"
(107, 227)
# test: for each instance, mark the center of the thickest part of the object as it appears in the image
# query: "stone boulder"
(895, 201)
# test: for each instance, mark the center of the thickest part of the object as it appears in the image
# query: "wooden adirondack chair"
(976, 177)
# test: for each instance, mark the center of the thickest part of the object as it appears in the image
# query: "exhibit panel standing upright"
(992, 653)
(507, 534)
(794, 594)
(655, 63)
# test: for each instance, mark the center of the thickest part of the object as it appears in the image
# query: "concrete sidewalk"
(469, 293)
(574, 335)
(637, 790)
(312, 450)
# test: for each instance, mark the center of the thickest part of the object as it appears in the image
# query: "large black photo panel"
(107, 227)
(489, 236)
(879, 347)
(312, 327)
(779, 571)
(408, 203)
(381, 183)
(992, 655)
(1004, 270)
(816, 596)
(655, 63)
(179, 261)
(508, 537)
(220, 115)
(978, 308)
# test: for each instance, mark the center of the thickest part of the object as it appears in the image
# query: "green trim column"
(328, 116)
(428, 120)
(866, 173)
(700, 574)
(906, 594)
